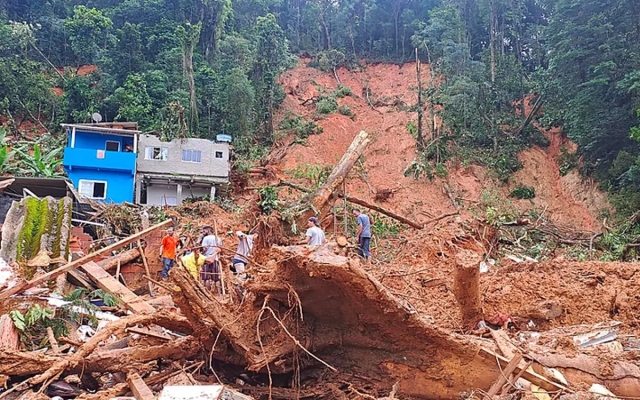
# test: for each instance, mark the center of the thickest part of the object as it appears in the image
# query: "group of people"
(315, 236)
(203, 260)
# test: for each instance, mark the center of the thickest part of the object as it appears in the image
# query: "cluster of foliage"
(301, 127)
(32, 325)
(523, 192)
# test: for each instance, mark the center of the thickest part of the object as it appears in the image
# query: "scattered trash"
(531, 324)
(84, 332)
(594, 338)
(484, 267)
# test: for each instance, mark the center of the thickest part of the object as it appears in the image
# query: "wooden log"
(73, 360)
(9, 336)
(532, 377)
(75, 278)
(384, 211)
(504, 376)
(466, 287)
(139, 389)
(80, 261)
(123, 258)
(23, 363)
(146, 267)
(320, 198)
(52, 341)
(110, 285)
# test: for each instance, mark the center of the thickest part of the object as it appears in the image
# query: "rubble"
(436, 322)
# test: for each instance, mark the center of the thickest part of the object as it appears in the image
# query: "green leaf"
(18, 320)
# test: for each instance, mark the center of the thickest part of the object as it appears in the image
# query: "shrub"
(342, 91)
(345, 110)
(523, 192)
(326, 105)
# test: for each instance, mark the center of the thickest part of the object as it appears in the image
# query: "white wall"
(156, 193)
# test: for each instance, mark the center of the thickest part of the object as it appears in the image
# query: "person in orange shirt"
(168, 252)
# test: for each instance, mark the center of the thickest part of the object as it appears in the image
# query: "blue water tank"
(223, 138)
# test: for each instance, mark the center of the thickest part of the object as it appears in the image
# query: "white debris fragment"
(8, 276)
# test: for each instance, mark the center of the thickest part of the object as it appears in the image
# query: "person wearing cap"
(243, 252)
(168, 252)
(211, 269)
(314, 235)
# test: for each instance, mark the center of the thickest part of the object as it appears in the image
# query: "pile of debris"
(311, 323)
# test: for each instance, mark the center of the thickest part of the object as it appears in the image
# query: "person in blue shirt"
(363, 234)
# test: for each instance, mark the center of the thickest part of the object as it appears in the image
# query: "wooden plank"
(506, 346)
(532, 377)
(77, 279)
(504, 376)
(139, 389)
(80, 261)
(110, 285)
(146, 267)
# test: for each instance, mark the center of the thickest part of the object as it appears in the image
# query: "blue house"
(100, 160)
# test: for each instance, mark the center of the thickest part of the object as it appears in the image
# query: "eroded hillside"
(382, 97)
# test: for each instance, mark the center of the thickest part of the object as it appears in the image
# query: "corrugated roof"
(101, 129)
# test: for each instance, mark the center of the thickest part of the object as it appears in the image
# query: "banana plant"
(42, 165)
(5, 154)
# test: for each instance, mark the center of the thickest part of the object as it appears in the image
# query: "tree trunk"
(320, 199)
(325, 29)
(384, 211)
(492, 38)
(122, 258)
(467, 288)
(419, 139)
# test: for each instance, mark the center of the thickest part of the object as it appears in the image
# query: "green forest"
(203, 67)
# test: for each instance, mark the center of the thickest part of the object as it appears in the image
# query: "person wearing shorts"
(210, 273)
(243, 252)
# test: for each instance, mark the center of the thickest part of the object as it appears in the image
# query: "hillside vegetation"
(202, 67)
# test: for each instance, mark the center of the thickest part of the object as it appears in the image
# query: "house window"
(192, 156)
(218, 154)
(93, 189)
(112, 145)
(156, 153)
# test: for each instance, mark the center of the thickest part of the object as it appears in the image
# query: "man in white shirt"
(211, 270)
(245, 247)
(314, 235)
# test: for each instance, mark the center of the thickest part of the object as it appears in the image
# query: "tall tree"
(189, 36)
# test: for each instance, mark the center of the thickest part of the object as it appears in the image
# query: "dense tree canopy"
(202, 67)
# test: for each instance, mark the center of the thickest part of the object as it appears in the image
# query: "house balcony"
(99, 160)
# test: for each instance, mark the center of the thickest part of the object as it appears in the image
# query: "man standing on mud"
(314, 235)
(363, 235)
(241, 258)
(211, 269)
(168, 252)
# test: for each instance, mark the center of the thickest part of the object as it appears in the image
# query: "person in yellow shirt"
(193, 262)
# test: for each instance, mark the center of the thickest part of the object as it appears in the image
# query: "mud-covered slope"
(383, 113)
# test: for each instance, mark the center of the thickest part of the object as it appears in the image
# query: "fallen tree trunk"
(123, 258)
(72, 360)
(622, 378)
(20, 363)
(319, 200)
(81, 261)
(384, 211)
